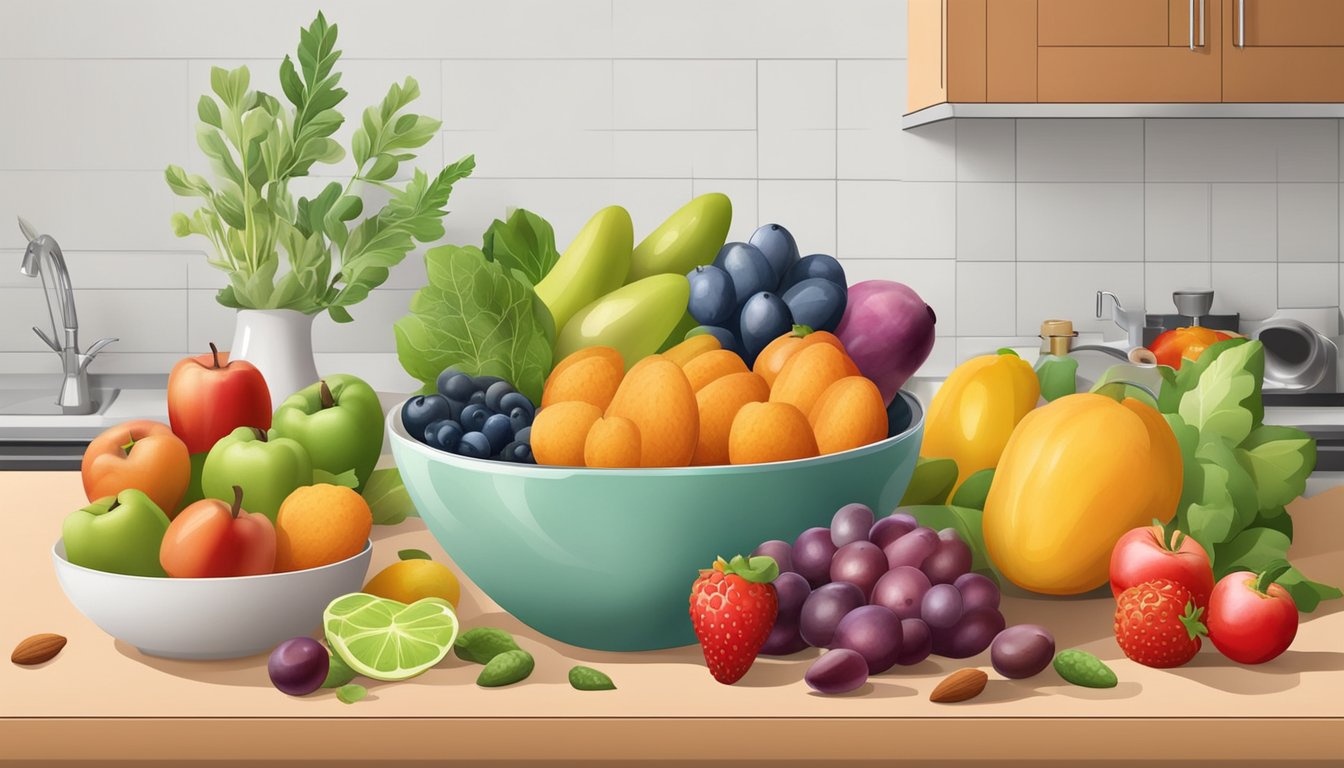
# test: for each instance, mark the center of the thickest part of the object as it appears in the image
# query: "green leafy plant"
(333, 254)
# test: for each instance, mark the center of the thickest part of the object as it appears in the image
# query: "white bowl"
(224, 618)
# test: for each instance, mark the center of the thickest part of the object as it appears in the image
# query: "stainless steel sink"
(42, 402)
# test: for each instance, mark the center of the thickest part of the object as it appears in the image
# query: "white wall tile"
(1068, 290)
(697, 154)
(742, 193)
(806, 208)
(143, 320)
(869, 153)
(986, 297)
(975, 346)
(105, 269)
(103, 211)
(208, 321)
(797, 154)
(869, 101)
(1250, 288)
(987, 150)
(663, 95)
(1241, 150)
(526, 95)
(934, 280)
(1309, 222)
(1161, 279)
(371, 330)
(929, 153)
(1309, 285)
(566, 203)
(796, 113)
(1080, 150)
(884, 219)
(986, 221)
(1079, 222)
(534, 153)
(1307, 150)
(1176, 222)
(650, 201)
(1245, 222)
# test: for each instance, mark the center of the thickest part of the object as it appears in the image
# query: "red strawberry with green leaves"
(733, 608)
(1158, 624)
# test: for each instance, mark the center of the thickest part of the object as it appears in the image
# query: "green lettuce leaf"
(974, 491)
(1226, 400)
(525, 243)
(931, 482)
(1251, 550)
(387, 497)
(1278, 459)
(1307, 594)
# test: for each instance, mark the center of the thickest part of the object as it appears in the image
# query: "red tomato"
(1247, 625)
(142, 454)
(1143, 554)
(209, 397)
(212, 538)
(1180, 344)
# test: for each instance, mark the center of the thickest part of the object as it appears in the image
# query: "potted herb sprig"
(333, 254)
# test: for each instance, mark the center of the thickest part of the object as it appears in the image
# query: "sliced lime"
(386, 640)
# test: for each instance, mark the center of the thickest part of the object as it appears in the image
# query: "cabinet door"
(1283, 50)
(1128, 50)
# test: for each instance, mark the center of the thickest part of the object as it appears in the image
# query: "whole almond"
(37, 649)
(959, 686)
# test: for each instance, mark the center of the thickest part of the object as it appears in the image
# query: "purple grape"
(824, 609)
(916, 642)
(901, 591)
(1022, 651)
(973, 634)
(812, 552)
(912, 548)
(941, 606)
(779, 550)
(860, 563)
(298, 666)
(837, 671)
(977, 591)
(875, 633)
(791, 590)
(851, 523)
(784, 639)
(949, 560)
(891, 528)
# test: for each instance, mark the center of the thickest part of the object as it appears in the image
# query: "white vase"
(279, 342)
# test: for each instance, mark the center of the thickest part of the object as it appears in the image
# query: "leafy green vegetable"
(967, 523)
(1307, 593)
(387, 497)
(1279, 460)
(931, 482)
(975, 490)
(349, 694)
(525, 245)
(256, 146)
(475, 315)
(413, 554)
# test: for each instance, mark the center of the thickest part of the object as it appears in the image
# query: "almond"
(959, 686)
(37, 649)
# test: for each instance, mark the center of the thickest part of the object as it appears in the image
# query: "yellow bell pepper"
(975, 411)
(1075, 476)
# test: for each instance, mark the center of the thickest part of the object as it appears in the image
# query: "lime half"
(386, 640)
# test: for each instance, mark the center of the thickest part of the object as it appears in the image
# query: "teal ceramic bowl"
(604, 558)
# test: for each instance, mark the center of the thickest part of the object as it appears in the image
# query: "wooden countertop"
(101, 699)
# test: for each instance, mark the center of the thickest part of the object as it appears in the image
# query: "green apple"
(118, 534)
(339, 421)
(267, 467)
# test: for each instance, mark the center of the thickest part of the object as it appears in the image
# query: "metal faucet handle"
(1101, 295)
(41, 334)
(87, 357)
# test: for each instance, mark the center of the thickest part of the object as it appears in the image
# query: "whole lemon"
(409, 580)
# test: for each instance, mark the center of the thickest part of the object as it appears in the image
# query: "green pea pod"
(1082, 668)
(482, 644)
(589, 679)
(506, 669)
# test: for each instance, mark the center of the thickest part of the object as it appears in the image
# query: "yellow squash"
(1076, 475)
(974, 412)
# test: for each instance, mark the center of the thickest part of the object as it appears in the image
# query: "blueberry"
(444, 378)
(499, 430)
(457, 406)
(444, 435)
(494, 393)
(765, 317)
(780, 251)
(817, 303)
(523, 435)
(477, 397)
(457, 387)
(483, 382)
(474, 416)
(713, 297)
(816, 265)
(519, 452)
(474, 445)
(420, 410)
(520, 418)
(727, 339)
(516, 400)
(750, 271)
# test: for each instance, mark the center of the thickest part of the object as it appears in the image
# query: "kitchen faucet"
(74, 397)
(1129, 319)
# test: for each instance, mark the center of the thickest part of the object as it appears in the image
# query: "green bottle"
(1057, 371)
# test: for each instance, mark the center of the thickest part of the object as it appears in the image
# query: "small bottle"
(1056, 370)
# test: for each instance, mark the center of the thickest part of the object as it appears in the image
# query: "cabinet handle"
(1192, 24)
(1202, 23)
(1241, 23)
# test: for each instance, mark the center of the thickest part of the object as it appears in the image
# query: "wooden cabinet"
(1283, 50)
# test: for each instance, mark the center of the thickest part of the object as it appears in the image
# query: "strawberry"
(733, 608)
(1157, 623)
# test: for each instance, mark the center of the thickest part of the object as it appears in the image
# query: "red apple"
(212, 538)
(209, 397)
(1251, 619)
(1148, 553)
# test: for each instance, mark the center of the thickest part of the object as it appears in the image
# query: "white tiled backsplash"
(791, 107)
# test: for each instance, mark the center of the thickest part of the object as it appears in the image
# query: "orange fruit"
(765, 432)
(559, 432)
(719, 403)
(409, 580)
(712, 365)
(849, 414)
(593, 380)
(658, 398)
(612, 442)
(692, 348)
(772, 359)
(808, 373)
(319, 525)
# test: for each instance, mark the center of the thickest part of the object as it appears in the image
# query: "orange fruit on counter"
(692, 348)
(808, 373)
(718, 404)
(409, 580)
(319, 525)
(612, 442)
(713, 365)
(772, 359)
(559, 432)
(849, 414)
(593, 380)
(765, 432)
(657, 397)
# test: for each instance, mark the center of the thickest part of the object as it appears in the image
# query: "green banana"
(689, 238)
(634, 319)
(595, 264)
